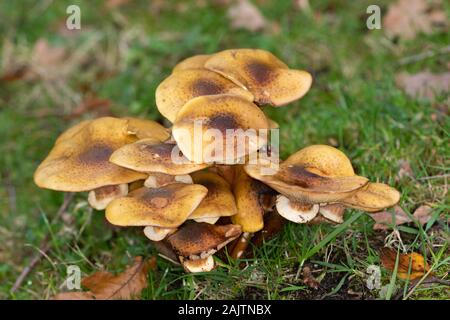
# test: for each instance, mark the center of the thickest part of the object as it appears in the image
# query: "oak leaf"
(104, 285)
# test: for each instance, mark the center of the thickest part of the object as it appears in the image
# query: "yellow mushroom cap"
(167, 207)
(261, 73)
(200, 240)
(219, 202)
(194, 62)
(249, 194)
(374, 197)
(228, 116)
(72, 131)
(79, 161)
(149, 155)
(180, 87)
(143, 128)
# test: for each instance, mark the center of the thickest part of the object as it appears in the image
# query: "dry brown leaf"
(405, 169)
(424, 84)
(407, 18)
(245, 15)
(410, 266)
(309, 279)
(104, 285)
(384, 219)
(302, 5)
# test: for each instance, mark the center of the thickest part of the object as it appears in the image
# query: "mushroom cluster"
(192, 200)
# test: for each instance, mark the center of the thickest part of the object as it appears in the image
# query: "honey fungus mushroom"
(317, 176)
(163, 162)
(195, 243)
(264, 75)
(182, 86)
(220, 128)
(79, 160)
(165, 207)
(219, 202)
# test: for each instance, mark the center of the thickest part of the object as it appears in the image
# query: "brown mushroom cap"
(194, 62)
(167, 207)
(180, 87)
(149, 155)
(219, 202)
(143, 128)
(374, 197)
(250, 195)
(80, 160)
(219, 112)
(200, 240)
(261, 73)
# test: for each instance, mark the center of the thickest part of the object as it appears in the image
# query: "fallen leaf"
(407, 18)
(410, 266)
(245, 15)
(405, 169)
(424, 84)
(302, 5)
(104, 285)
(309, 279)
(384, 219)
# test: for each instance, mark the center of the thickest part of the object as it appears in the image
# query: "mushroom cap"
(300, 184)
(143, 128)
(200, 240)
(72, 131)
(329, 161)
(374, 197)
(194, 62)
(261, 73)
(79, 161)
(249, 194)
(296, 211)
(180, 87)
(167, 207)
(219, 202)
(229, 117)
(149, 155)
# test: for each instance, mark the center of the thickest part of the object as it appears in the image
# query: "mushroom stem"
(100, 198)
(241, 245)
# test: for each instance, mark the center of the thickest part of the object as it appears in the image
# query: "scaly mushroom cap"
(261, 73)
(194, 62)
(319, 174)
(200, 129)
(180, 87)
(201, 240)
(219, 202)
(79, 161)
(250, 197)
(149, 155)
(374, 197)
(167, 207)
(143, 129)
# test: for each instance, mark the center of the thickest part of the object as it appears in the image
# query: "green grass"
(354, 102)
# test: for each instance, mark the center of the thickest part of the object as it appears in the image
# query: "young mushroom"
(182, 86)
(195, 243)
(264, 75)
(220, 128)
(79, 160)
(219, 202)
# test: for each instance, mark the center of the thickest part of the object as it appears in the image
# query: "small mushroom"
(194, 62)
(220, 128)
(182, 86)
(99, 198)
(252, 198)
(158, 233)
(79, 160)
(219, 202)
(166, 207)
(200, 240)
(261, 73)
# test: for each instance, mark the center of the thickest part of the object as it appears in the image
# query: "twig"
(44, 247)
(423, 55)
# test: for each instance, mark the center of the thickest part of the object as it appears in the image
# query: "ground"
(119, 58)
